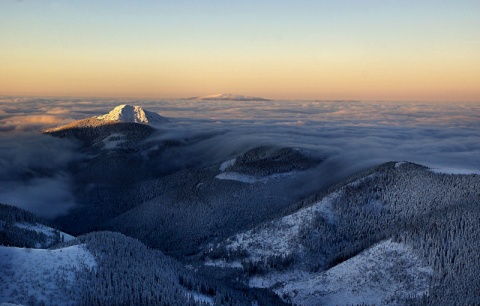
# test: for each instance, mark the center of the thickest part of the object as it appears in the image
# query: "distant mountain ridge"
(228, 97)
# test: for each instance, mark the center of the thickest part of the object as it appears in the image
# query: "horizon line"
(154, 97)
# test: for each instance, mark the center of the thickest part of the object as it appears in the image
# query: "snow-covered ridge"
(454, 171)
(129, 113)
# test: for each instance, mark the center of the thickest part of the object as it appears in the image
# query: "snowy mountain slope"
(128, 272)
(49, 276)
(120, 114)
(96, 268)
(122, 127)
(279, 237)
(129, 113)
(229, 97)
(385, 274)
(328, 251)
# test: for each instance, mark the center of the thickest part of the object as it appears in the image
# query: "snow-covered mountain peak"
(129, 113)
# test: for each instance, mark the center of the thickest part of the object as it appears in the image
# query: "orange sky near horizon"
(295, 61)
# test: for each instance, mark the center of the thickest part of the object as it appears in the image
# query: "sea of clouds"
(351, 135)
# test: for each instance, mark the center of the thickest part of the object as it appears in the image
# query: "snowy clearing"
(201, 298)
(227, 164)
(250, 179)
(113, 141)
(223, 264)
(399, 164)
(280, 237)
(358, 182)
(377, 276)
(40, 228)
(42, 275)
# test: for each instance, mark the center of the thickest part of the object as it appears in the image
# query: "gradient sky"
(379, 50)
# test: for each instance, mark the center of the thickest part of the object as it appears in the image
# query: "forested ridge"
(126, 272)
(438, 215)
(17, 229)
(129, 273)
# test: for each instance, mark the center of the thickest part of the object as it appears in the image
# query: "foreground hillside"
(105, 268)
(396, 234)
(35, 276)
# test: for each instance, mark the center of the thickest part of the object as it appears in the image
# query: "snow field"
(42, 275)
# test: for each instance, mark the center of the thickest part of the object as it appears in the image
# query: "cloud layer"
(34, 172)
(351, 135)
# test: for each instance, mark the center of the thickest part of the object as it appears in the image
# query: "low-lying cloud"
(47, 197)
(34, 172)
(351, 136)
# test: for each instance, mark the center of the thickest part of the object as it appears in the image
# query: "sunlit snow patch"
(129, 113)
